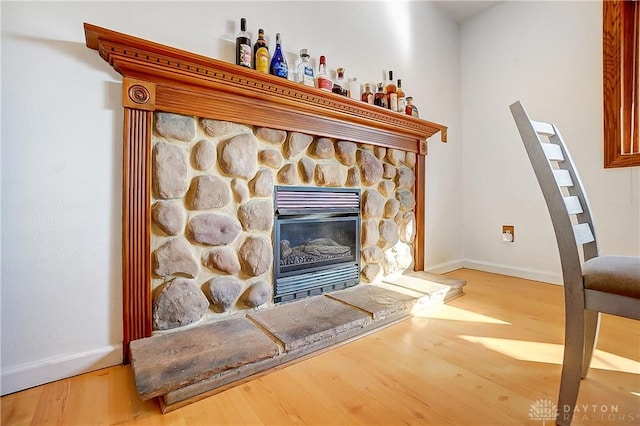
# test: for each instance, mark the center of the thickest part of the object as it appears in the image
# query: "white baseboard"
(443, 268)
(497, 268)
(513, 271)
(32, 374)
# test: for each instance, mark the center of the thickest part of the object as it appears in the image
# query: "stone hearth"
(181, 367)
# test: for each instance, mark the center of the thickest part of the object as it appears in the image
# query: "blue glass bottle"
(278, 61)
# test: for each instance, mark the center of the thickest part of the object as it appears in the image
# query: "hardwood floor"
(491, 357)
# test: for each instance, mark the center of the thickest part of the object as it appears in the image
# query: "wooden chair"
(593, 284)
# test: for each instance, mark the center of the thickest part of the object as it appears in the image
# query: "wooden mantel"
(162, 78)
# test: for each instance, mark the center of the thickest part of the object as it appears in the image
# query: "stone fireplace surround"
(212, 210)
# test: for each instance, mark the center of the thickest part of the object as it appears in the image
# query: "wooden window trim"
(620, 31)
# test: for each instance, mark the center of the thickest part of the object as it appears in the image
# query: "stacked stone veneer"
(212, 210)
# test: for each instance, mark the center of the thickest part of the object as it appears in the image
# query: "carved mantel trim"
(187, 82)
(162, 78)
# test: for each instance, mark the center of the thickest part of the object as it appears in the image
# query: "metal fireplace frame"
(316, 204)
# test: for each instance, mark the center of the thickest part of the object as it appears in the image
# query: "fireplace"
(316, 241)
(159, 78)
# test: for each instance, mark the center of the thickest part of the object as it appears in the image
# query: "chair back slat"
(583, 233)
(553, 152)
(573, 205)
(544, 129)
(563, 178)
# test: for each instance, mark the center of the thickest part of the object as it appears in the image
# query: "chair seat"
(613, 274)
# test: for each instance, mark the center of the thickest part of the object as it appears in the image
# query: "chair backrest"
(562, 189)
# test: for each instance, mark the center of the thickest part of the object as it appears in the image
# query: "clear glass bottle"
(392, 96)
(411, 109)
(261, 54)
(323, 81)
(279, 65)
(243, 46)
(380, 97)
(367, 96)
(354, 88)
(304, 73)
(402, 102)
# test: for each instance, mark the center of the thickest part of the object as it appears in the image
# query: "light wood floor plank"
(482, 359)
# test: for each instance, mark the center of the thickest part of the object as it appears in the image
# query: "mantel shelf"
(163, 78)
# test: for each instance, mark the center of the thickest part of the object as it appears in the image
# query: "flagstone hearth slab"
(378, 301)
(169, 361)
(304, 322)
(436, 288)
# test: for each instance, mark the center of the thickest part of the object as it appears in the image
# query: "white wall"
(549, 56)
(62, 142)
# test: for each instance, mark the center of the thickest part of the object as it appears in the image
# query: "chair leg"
(591, 329)
(571, 365)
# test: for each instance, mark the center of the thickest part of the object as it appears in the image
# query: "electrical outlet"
(508, 233)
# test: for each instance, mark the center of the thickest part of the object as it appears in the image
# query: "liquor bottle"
(341, 86)
(354, 88)
(380, 98)
(243, 46)
(278, 61)
(261, 53)
(411, 109)
(402, 102)
(304, 74)
(367, 96)
(323, 81)
(392, 96)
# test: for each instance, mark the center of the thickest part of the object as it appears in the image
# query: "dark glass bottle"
(411, 109)
(261, 53)
(279, 65)
(402, 101)
(392, 96)
(243, 46)
(367, 96)
(380, 98)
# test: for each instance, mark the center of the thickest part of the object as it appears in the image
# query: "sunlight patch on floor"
(551, 353)
(451, 313)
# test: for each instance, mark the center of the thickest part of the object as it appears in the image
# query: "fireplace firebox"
(316, 241)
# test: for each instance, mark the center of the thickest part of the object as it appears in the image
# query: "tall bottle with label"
(402, 102)
(304, 73)
(380, 99)
(323, 81)
(279, 65)
(261, 54)
(392, 96)
(243, 46)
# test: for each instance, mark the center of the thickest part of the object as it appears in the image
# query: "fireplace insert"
(316, 241)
